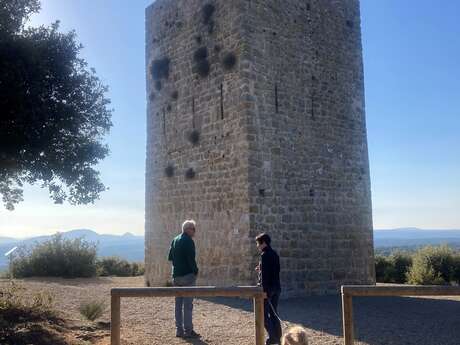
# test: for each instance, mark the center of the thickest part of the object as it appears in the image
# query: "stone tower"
(256, 122)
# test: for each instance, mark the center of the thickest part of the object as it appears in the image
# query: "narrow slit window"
(221, 101)
(276, 98)
(193, 112)
(313, 106)
(164, 123)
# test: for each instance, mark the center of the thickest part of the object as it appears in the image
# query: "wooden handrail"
(254, 292)
(192, 291)
(350, 291)
(400, 290)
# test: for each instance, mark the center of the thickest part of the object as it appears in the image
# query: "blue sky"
(412, 70)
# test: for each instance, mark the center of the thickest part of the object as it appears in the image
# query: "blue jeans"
(184, 305)
(272, 323)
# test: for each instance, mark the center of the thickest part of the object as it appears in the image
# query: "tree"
(54, 113)
(432, 266)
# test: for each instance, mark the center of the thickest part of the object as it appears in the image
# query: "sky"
(412, 80)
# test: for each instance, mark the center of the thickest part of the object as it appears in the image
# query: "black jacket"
(269, 274)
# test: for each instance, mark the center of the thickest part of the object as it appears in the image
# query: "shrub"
(400, 264)
(382, 266)
(456, 273)
(138, 269)
(432, 266)
(115, 266)
(57, 257)
(393, 268)
(92, 310)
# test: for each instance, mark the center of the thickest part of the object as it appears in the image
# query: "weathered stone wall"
(216, 197)
(309, 171)
(282, 140)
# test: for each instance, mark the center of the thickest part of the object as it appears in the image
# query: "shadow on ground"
(196, 342)
(378, 320)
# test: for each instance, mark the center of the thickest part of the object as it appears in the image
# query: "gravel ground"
(378, 321)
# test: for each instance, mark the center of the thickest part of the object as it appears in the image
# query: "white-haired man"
(184, 272)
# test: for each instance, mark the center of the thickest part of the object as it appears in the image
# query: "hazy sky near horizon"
(412, 74)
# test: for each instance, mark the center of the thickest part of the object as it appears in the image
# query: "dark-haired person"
(269, 279)
(185, 270)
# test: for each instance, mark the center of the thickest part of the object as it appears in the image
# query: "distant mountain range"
(127, 246)
(131, 247)
(413, 237)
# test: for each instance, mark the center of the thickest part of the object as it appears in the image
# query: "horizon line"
(143, 235)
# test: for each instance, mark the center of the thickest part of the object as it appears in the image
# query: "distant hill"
(131, 247)
(414, 237)
(127, 246)
(5, 240)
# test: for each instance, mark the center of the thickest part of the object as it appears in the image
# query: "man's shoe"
(192, 335)
(180, 334)
(272, 342)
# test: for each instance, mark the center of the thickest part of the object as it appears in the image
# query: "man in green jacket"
(184, 272)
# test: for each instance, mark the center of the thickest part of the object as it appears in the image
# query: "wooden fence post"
(259, 319)
(347, 311)
(115, 320)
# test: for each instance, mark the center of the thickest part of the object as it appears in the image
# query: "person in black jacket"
(269, 279)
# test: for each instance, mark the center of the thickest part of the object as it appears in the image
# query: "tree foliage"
(426, 266)
(393, 268)
(54, 112)
(433, 266)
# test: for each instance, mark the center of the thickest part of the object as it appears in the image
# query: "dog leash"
(283, 323)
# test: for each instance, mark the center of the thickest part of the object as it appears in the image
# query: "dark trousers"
(272, 323)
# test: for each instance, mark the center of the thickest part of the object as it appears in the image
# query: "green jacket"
(182, 256)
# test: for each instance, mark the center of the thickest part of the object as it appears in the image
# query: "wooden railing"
(350, 291)
(253, 292)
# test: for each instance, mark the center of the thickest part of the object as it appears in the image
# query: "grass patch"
(92, 310)
(28, 318)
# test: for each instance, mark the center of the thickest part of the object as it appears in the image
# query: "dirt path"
(379, 321)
